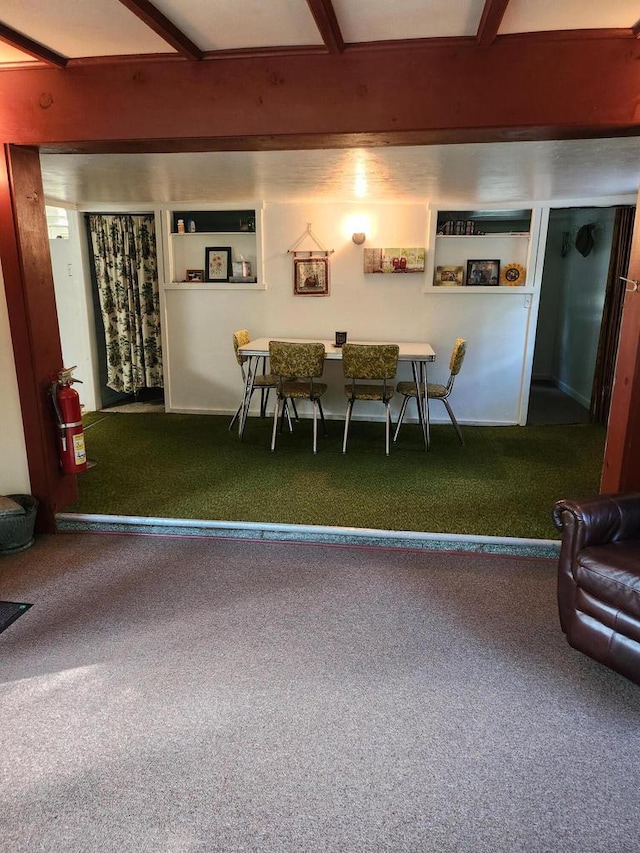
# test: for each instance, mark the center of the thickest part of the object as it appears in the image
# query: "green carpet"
(503, 482)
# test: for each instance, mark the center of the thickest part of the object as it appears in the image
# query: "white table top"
(409, 351)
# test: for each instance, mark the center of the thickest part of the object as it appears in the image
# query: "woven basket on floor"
(16, 531)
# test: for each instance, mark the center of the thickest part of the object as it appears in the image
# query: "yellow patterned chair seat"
(296, 367)
(434, 390)
(371, 369)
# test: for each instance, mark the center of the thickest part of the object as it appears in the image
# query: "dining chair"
(376, 364)
(436, 391)
(263, 382)
(296, 367)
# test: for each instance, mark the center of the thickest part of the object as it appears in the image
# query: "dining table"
(418, 353)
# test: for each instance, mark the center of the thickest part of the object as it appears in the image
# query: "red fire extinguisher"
(66, 402)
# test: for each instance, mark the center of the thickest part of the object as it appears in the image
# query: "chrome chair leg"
(285, 411)
(403, 409)
(324, 426)
(454, 421)
(274, 431)
(387, 425)
(346, 425)
(235, 417)
(315, 426)
(264, 401)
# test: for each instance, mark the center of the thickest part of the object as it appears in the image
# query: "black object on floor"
(10, 611)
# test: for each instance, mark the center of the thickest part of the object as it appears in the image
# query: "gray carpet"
(184, 694)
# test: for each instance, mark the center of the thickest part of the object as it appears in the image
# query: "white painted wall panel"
(14, 471)
(75, 312)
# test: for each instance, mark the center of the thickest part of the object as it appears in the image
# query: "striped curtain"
(125, 260)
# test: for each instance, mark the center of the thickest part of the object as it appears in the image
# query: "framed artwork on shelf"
(448, 276)
(311, 276)
(483, 273)
(217, 263)
(195, 275)
(512, 275)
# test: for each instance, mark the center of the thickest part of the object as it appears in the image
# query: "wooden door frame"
(33, 320)
(621, 465)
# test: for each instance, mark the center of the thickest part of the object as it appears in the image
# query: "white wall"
(14, 471)
(199, 323)
(75, 310)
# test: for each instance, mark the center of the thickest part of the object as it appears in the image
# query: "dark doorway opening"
(572, 299)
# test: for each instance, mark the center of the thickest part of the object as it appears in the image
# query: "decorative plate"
(512, 275)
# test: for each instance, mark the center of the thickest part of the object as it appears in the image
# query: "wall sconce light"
(359, 237)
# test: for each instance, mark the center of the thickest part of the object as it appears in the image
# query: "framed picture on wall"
(311, 276)
(195, 275)
(483, 273)
(217, 263)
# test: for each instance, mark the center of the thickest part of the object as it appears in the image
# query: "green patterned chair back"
(296, 361)
(370, 361)
(457, 356)
(240, 339)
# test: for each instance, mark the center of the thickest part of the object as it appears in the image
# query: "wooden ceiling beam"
(325, 17)
(451, 92)
(33, 48)
(162, 26)
(492, 15)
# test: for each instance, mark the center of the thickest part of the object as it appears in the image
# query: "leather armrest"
(596, 521)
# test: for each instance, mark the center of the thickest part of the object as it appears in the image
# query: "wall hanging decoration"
(311, 276)
(584, 239)
(448, 277)
(217, 263)
(483, 273)
(399, 260)
(512, 275)
(310, 266)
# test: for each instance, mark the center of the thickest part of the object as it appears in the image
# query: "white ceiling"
(78, 29)
(486, 173)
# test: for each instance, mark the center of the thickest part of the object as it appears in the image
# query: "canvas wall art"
(395, 260)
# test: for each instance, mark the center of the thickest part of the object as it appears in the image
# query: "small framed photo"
(217, 261)
(448, 277)
(311, 276)
(483, 273)
(195, 275)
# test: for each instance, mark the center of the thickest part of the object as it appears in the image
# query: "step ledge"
(309, 533)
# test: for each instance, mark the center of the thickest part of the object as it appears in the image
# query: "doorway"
(125, 292)
(572, 298)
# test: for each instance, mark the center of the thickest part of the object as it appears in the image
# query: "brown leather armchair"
(599, 579)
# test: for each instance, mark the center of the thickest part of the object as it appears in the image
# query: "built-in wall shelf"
(210, 285)
(232, 235)
(471, 251)
(227, 221)
(481, 236)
